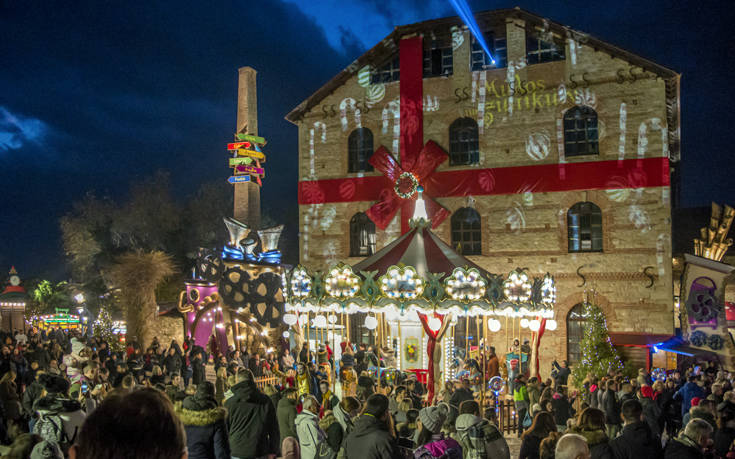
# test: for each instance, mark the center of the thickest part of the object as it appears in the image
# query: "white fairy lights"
(300, 282)
(517, 288)
(402, 283)
(341, 282)
(548, 290)
(465, 285)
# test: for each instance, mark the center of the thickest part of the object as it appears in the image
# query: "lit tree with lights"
(103, 329)
(598, 354)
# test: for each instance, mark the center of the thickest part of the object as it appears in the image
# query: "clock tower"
(13, 301)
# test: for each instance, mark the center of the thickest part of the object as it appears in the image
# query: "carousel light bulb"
(371, 323)
(534, 325)
(494, 325)
(286, 334)
(524, 323)
(551, 325)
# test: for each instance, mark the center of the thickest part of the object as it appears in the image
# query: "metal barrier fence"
(507, 417)
(266, 380)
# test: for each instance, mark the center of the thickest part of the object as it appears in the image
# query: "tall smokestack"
(247, 194)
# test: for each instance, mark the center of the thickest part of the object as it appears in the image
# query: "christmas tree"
(104, 329)
(598, 354)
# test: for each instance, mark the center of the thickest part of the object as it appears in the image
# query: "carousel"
(417, 293)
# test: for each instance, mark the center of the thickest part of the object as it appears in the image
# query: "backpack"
(324, 451)
(50, 427)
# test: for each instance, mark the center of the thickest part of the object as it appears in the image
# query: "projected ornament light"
(341, 282)
(465, 285)
(402, 283)
(517, 287)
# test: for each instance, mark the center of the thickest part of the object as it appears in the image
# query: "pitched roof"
(387, 46)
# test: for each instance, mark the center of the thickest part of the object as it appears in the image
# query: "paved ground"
(514, 443)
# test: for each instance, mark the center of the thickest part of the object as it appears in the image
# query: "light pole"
(84, 315)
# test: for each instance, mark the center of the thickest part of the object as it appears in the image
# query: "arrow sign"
(240, 161)
(250, 170)
(251, 153)
(236, 145)
(239, 179)
(251, 138)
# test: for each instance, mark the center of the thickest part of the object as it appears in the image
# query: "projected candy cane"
(573, 51)
(560, 145)
(317, 125)
(475, 76)
(510, 76)
(621, 141)
(393, 107)
(431, 104)
(350, 103)
(481, 103)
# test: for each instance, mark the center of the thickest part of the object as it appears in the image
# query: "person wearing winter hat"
(46, 450)
(52, 406)
(204, 423)
(430, 440)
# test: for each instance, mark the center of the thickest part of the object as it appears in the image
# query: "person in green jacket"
(520, 397)
(286, 414)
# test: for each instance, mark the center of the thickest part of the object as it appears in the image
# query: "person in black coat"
(691, 442)
(636, 439)
(461, 394)
(197, 367)
(204, 422)
(611, 407)
(251, 420)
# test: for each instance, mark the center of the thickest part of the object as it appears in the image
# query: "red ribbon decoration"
(422, 160)
(403, 180)
(433, 338)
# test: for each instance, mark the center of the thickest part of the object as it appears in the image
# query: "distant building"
(13, 301)
(560, 159)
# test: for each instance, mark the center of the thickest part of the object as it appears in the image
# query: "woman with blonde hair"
(221, 385)
(9, 396)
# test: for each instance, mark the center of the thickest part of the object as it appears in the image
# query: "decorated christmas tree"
(598, 354)
(103, 329)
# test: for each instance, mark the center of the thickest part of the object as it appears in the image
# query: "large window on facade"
(577, 322)
(362, 235)
(389, 71)
(479, 58)
(467, 231)
(580, 132)
(359, 150)
(464, 143)
(438, 58)
(539, 51)
(584, 226)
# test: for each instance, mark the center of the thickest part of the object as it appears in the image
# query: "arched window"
(464, 144)
(362, 235)
(584, 227)
(580, 132)
(577, 322)
(467, 231)
(359, 150)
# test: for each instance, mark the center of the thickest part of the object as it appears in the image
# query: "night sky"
(96, 94)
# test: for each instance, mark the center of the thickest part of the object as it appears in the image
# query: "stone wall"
(168, 328)
(525, 229)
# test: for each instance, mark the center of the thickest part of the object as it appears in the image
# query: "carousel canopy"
(420, 248)
(418, 272)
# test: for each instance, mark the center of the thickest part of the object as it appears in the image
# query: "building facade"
(569, 145)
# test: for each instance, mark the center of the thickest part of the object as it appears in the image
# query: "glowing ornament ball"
(551, 325)
(493, 325)
(371, 323)
(290, 319)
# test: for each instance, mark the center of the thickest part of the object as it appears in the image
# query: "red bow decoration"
(402, 192)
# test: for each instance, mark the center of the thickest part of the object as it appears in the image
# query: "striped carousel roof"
(420, 248)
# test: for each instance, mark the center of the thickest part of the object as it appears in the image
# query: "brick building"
(561, 158)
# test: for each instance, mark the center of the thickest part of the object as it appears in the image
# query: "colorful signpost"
(247, 158)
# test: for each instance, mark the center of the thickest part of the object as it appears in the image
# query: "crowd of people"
(65, 395)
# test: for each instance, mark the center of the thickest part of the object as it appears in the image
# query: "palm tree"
(137, 274)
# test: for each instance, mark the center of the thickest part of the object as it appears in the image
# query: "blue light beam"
(464, 12)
